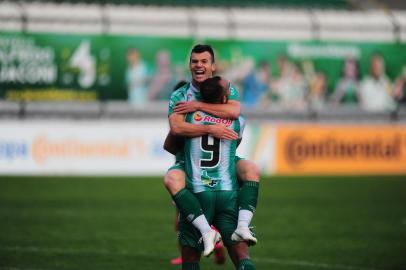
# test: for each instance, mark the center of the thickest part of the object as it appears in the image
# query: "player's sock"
(190, 266)
(201, 224)
(247, 201)
(244, 218)
(188, 204)
(246, 264)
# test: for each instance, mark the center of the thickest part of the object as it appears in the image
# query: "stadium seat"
(147, 20)
(400, 20)
(271, 24)
(354, 25)
(10, 16)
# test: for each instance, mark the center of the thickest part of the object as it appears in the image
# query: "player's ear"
(213, 67)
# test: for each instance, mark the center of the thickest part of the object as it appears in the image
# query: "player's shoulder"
(233, 92)
(233, 89)
(181, 91)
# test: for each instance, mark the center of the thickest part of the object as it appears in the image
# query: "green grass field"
(57, 223)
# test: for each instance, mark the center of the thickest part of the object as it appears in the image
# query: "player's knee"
(248, 171)
(174, 181)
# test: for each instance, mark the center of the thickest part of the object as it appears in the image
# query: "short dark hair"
(199, 48)
(212, 91)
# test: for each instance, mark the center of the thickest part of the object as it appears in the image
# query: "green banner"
(327, 57)
(36, 66)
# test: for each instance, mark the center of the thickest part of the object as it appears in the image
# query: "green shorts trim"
(179, 162)
(220, 209)
(178, 166)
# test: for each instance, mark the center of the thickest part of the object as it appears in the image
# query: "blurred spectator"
(256, 84)
(317, 91)
(238, 71)
(309, 72)
(136, 78)
(375, 91)
(347, 87)
(284, 66)
(399, 91)
(162, 82)
(290, 87)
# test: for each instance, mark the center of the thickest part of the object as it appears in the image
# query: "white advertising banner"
(106, 147)
(113, 147)
(259, 145)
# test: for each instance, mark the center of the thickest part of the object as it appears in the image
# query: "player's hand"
(186, 106)
(221, 131)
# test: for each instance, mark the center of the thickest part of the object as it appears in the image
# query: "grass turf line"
(56, 223)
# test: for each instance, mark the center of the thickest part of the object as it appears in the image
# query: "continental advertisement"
(51, 66)
(124, 147)
(83, 148)
(341, 149)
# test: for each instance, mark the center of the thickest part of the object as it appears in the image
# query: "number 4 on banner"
(85, 62)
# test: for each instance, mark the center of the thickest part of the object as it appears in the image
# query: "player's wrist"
(209, 129)
(198, 105)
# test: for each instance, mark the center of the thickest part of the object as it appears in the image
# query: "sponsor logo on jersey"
(210, 182)
(197, 117)
(211, 119)
(207, 180)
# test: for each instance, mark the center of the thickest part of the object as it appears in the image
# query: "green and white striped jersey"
(188, 92)
(222, 176)
(209, 161)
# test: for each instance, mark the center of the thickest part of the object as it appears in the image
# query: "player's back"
(209, 161)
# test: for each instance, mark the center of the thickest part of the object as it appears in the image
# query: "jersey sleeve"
(177, 96)
(242, 121)
(234, 95)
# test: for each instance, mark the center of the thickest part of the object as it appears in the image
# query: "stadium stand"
(336, 4)
(355, 25)
(308, 20)
(233, 21)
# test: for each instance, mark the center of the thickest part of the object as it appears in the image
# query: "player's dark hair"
(200, 48)
(212, 91)
(179, 85)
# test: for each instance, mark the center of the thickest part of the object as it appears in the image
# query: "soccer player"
(178, 142)
(202, 67)
(211, 177)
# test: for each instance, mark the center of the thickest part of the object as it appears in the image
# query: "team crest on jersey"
(197, 117)
(207, 181)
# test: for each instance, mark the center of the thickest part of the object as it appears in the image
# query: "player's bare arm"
(230, 110)
(179, 127)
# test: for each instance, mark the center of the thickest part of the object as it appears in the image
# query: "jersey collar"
(193, 88)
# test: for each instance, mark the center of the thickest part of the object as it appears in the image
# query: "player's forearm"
(230, 110)
(188, 129)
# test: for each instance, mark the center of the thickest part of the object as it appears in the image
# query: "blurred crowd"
(293, 85)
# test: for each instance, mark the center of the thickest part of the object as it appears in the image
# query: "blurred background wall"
(84, 85)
